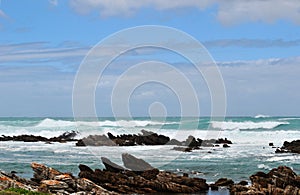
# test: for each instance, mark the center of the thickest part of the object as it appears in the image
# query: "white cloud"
(228, 12)
(253, 43)
(129, 7)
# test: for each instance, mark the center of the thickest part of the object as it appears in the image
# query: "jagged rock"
(84, 168)
(135, 164)
(110, 166)
(141, 182)
(7, 182)
(67, 136)
(42, 172)
(292, 147)
(281, 180)
(223, 141)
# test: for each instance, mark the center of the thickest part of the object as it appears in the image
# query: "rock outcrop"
(67, 136)
(290, 147)
(148, 138)
(140, 178)
(282, 180)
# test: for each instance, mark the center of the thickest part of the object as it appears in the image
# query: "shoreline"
(48, 180)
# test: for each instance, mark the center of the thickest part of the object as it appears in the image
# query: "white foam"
(230, 125)
(263, 166)
(262, 116)
(120, 123)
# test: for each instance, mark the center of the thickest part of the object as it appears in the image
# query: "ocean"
(249, 153)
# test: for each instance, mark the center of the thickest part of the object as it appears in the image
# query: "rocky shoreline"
(139, 177)
(143, 138)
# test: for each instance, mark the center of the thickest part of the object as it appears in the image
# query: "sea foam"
(230, 125)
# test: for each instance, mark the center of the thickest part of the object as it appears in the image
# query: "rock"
(95, 140)
(243, 183)
(110, 166)
(54, 185)
(223, 141)
(150, 174)
(7, 182)
(174, 142)
(292, 147)
(42, 172)
(134, 163)
(281, 180)
(183, 149)
(85, 168)
(226, 146)
(67, 136)
(222, 182)
(148, 181)
(271, 144)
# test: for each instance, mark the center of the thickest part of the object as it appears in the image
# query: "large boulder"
(110, 166)
(135, 164)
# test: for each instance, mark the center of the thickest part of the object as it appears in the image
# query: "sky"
(255, 44)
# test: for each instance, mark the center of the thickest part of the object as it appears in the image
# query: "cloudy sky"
(255, 43)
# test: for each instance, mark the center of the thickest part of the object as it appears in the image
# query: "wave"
(261, 116)
(229, 125)
(107, 123)
(288, 119)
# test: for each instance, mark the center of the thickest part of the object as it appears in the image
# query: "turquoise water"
(248, 154)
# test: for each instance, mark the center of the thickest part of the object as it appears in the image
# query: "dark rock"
(223, 141)
(281, 180)
(134, 163)
(67, 136)
(183, 149)
(85, 168)
(110, 166)
(271, 144)
(243, 183)
(174, 142)
(292, 147)
(223, 182)
(95, 140)
(226, 146)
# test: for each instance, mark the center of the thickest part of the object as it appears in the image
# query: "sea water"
(249, 153)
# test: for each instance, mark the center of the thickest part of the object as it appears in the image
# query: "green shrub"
(20, 191)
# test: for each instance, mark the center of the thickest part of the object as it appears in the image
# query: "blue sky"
(255, 43)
